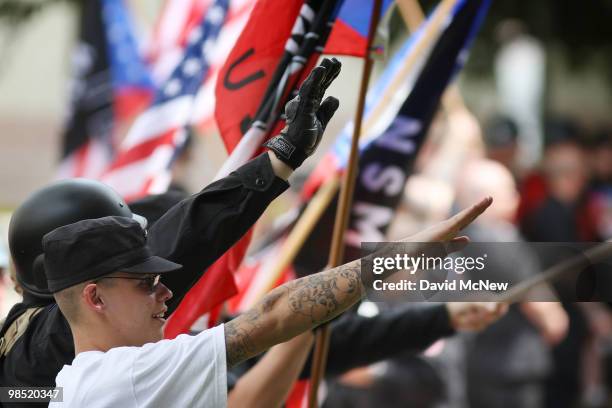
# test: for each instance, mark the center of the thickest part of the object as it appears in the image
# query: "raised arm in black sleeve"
(357, 340)
(194, 233)
(197, 231)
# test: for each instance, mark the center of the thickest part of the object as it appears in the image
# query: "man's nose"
(162, 293)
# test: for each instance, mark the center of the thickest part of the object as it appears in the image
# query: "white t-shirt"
(189, 371)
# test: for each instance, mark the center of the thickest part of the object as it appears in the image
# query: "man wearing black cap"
(112, 298)
(106, 283)
(35, 339)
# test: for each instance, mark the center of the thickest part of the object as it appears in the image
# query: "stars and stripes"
(170, 35)
(143, 162)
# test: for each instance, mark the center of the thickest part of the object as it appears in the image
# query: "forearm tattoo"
(323, 296)
(308, 302)
(240, 343)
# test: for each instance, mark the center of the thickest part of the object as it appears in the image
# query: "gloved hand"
(307, 117)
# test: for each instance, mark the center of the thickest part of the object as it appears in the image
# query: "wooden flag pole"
(413, 17)
(343, 210)
(428, 37)
(296, 238)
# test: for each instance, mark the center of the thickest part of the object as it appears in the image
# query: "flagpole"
(295, 240)
(438, 19)
(413, 17)
(343, 210)
(290, 250)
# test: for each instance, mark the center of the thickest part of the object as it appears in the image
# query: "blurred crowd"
(541, 354)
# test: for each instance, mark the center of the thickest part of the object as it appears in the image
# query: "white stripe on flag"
(130, 179)
(158, 120)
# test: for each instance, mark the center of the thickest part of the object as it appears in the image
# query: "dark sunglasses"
(151, 282)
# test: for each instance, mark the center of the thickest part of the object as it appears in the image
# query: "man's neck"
(84, 341)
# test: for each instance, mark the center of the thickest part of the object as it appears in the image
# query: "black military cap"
(90, 249)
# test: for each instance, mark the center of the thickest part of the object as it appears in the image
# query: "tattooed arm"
(305, 303)
(291, 309)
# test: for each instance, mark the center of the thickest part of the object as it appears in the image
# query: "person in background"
(599, 206)
(501, 142)
(507, 364)
(554, 212)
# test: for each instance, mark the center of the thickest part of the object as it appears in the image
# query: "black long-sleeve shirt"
(193, 233)
(357, 340)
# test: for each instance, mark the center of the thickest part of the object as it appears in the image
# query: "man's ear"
(91, 295)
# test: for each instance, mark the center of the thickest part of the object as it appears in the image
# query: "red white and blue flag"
(170, 37)
(143, 162)
(131, 79)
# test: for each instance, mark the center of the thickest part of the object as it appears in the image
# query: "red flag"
(250, 65)
(265, 91)
(211, 290)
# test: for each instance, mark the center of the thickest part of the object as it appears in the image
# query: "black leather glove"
(307, 117)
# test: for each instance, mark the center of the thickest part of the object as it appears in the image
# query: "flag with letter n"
(144, 159)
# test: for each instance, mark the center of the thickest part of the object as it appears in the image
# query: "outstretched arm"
(305, 303)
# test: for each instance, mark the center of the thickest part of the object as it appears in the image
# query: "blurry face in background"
(566, 172)
(484, 177)
(505, 198)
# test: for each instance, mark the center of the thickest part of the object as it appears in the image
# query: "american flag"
(143, 163)
(169, 39)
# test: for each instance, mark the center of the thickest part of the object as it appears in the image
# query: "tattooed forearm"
(238, 341)
(241, 334)
(292, 309)
(323, 296)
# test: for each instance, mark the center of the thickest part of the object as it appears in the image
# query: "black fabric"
(88, 249)
(194, 233)
(153, 207)
(357, 340)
